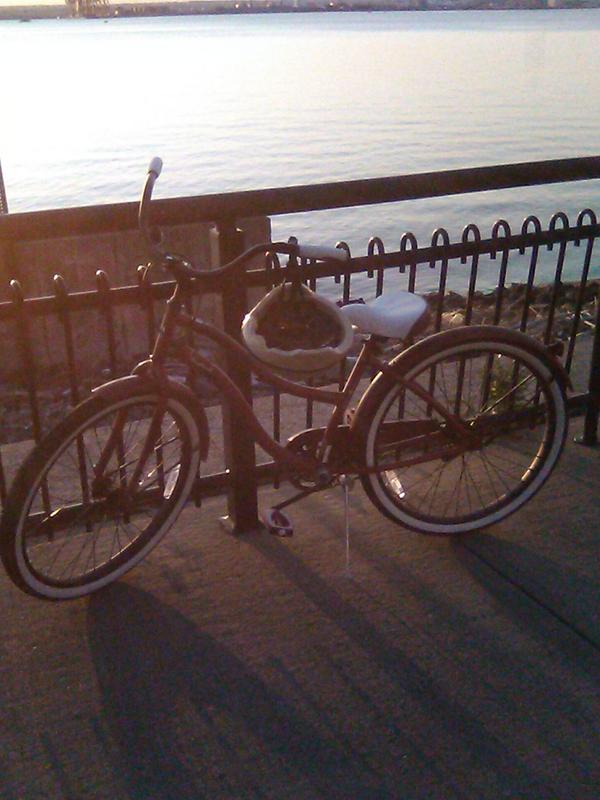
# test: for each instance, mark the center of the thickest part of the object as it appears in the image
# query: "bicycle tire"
(511, 397)
(55, 536)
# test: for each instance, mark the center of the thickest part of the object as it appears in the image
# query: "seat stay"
(460, 427)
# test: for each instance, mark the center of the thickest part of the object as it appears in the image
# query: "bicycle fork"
(115, 442)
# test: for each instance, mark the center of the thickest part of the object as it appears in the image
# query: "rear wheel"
(425, 475)
(99, 492)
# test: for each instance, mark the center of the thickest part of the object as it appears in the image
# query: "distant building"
(26, 12)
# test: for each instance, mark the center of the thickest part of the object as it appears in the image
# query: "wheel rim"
(467, 486)
(82, 531)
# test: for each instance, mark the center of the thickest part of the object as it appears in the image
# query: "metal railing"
(472, 259)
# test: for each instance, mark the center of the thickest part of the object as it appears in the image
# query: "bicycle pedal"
(277, 523)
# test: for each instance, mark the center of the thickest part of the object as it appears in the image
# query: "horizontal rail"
(126, 295)
(55, 223)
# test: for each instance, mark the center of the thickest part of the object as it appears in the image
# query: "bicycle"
(453, 434)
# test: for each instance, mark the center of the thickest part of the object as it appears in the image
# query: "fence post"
(590, 428)
(240, 454)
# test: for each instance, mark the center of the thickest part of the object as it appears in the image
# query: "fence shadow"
(190, 720)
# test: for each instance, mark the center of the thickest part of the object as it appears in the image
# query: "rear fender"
(475, 333)
(138, 384)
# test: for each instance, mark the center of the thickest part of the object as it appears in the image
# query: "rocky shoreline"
(541, 300)
(55, 399)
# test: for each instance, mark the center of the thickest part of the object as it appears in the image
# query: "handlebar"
(156, 166)
(182, 269)
(152, 236)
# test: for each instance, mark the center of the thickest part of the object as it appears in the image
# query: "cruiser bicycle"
(451, 435)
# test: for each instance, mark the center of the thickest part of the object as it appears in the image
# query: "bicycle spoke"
(507, 408)
(83, 535)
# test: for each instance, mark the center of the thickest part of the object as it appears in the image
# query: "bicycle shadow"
(179, 706)
(442, 718)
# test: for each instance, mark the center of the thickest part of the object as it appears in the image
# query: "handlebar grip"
(155, 166)
(322, 253)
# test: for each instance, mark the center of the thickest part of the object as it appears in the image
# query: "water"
(248, 102)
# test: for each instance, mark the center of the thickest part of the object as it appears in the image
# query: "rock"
(452, 319)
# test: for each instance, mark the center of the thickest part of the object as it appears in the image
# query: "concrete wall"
(77, 259)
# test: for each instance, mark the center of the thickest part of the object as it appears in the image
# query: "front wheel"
(425, 475)
(99, 492)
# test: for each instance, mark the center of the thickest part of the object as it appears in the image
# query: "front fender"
(140, 384)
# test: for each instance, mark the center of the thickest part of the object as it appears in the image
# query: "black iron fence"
(51, 335)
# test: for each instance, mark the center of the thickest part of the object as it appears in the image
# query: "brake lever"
(177, 266)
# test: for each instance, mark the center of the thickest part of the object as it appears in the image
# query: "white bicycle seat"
(393, 314)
